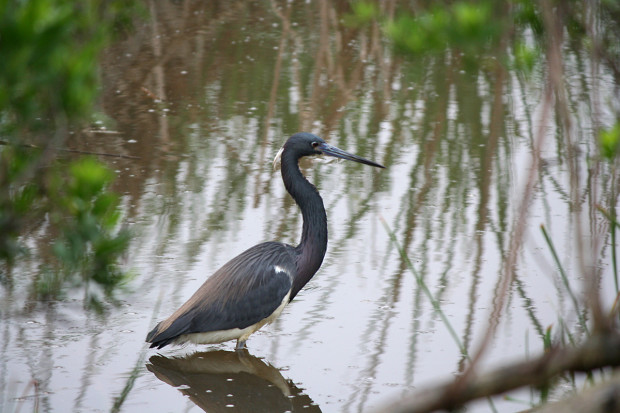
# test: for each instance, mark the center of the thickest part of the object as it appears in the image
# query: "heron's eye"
(315, 145)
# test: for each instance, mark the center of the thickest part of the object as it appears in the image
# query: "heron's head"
(306, 144)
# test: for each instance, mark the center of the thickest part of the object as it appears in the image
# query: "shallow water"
(205, 96)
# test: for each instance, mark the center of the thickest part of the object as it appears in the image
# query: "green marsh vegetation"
(50, 76)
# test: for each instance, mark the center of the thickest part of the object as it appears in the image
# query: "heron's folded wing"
(246, 290)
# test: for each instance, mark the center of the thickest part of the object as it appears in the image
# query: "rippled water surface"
(205, 95)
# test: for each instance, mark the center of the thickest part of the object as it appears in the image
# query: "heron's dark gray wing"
(246, 290)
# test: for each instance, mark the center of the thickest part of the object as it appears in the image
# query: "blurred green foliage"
(525, 57)
(470, 27)
(89, 243)
(49, 71)
(362, 13)
(49, 52)
(610, 142)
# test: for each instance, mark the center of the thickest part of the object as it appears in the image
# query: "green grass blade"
(426, 290)
(582, 321)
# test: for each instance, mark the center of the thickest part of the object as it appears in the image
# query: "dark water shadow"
(231, 381)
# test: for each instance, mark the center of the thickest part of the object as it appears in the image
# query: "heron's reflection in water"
(231, 381)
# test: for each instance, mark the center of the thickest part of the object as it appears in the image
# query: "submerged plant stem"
(427, 291)
(582, 321)
(611, 216)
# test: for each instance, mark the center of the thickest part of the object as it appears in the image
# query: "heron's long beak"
(339, 153)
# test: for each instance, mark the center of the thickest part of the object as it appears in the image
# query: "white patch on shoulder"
(281, 269)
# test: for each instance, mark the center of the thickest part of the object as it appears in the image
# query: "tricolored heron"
(253, 288)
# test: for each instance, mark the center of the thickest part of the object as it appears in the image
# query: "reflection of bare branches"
(338, 69)
(494, 136)
(264, 140)
(319, 59)
(556, 75)
(158, 73)
(486, 175)
(516, 240)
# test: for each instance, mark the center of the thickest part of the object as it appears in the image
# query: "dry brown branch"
(601, 398)
(598, 351)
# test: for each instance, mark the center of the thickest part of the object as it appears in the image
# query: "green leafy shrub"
(89, 242)
(49, 71)
(610, 142)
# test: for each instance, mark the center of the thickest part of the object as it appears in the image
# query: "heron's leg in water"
(240, 345)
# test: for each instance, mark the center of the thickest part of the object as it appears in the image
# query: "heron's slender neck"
(313, 244)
